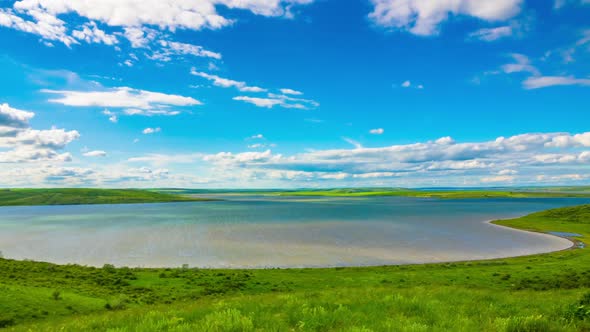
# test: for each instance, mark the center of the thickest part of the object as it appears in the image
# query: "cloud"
(352, 142)
(377, 131)
(260, 102)
(283, 101)
(498, 178)
(128, 101)
(19, 143)
(45, 25)
(408, 84)
(119, 98)
(508, 159)
(170, 48)
(112, 116)
(148, 131)
(90, 33)
(40, 17)
(12, 117)
(537, 82)
(97, 153)
(522, 64)
(227, 83)
(149, 112)
(257, 136)
(425, 17)
(291, 92)
(492, 34)
(261, 146)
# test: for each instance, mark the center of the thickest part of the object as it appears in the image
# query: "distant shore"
(79, 196)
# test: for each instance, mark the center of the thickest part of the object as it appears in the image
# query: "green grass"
(525, 192)
(13, 197)
(533, 293)
(443, 194)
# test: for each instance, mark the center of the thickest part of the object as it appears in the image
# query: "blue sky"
(296, 93)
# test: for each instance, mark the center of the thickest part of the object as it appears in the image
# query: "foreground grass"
(533, 293)
(74, 196)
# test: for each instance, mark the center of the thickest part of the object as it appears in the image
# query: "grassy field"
(443, 194)
(532, 192)
(12, 197)
(547, 292)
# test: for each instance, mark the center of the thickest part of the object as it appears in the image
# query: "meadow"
(442, 194)
(548, 292)
(450, 193)
(75, 196)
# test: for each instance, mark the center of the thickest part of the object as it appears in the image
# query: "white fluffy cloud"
(128, 101)
(227, 83)
(121, 97)
(14, 118)
(260, 102)
(169, 48)
(96, 153)
(503, 160)
(19, 143)
(43, 17)
(536, 80)
(291, 92)
(423, 17)
(91, 33)
(377, 131)
(148, 131)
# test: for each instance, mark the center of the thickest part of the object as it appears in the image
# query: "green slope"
(443, 194)
(74, 196)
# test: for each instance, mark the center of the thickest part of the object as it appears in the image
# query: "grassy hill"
(443, 194)
(74, 196)
(549, 292)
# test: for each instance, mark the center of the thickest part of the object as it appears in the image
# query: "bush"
(56, 295)
(120, 303)
(6, 321)
(580, 310)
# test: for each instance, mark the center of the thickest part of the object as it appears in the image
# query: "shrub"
(580, 310)
(6, 321)
(56, 295)
(120, 303)
(109, 268)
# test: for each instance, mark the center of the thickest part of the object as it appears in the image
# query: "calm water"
(274, 232)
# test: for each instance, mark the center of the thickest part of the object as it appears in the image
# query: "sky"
(294, 93)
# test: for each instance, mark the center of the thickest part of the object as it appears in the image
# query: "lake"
(260, 232)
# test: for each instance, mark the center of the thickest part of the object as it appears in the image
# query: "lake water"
(274, 232)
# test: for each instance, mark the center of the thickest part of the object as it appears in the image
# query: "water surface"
(250, 231)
